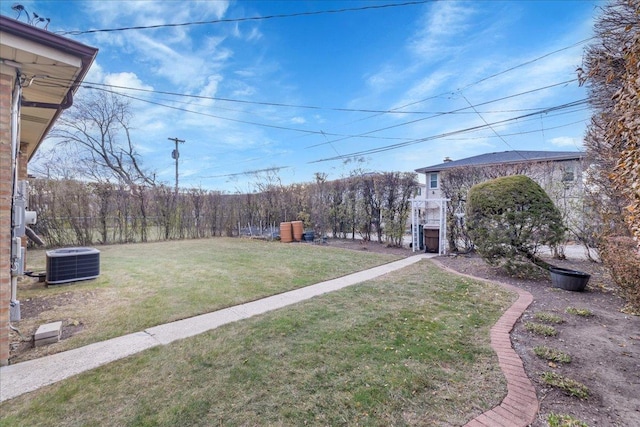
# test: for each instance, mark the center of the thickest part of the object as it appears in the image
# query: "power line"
(527, 63)
(100, 86)
(104, 87)
(206, 114)
(341, 136)
(445, 113)
(443, 136)
(446, 134)
(251, 172)
(252, 18)
(306, 131)
(531, 61)
(363, 135)
(523, 132)
(264, 103)
(489, 126)
(397, 110)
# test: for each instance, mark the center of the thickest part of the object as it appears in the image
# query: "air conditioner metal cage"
(72, 265)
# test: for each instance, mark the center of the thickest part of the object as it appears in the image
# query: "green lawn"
(143, 285)
(409, 348)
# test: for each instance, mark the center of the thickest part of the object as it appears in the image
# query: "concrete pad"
(46, 341)
(48, 330)
(574, 251)
(31, 375)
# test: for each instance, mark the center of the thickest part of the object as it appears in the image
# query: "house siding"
(549, 175)
(548, 169)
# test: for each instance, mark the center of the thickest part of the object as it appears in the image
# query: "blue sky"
(379, 89)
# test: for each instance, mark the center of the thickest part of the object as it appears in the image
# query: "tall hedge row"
(373, 206)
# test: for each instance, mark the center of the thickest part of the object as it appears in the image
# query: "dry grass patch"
(582, 312)
(560, 420)
(547, 317)
(144, 285)
(540, 329)
(552, 354)
(410, 348)
(569, 386)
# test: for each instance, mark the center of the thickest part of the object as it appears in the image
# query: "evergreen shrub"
(509, 218)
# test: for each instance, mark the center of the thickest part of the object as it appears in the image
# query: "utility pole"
(176, 154)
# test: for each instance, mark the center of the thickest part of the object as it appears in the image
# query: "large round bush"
(509, 218)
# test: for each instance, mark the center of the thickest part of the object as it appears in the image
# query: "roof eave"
(437, 168)
(86, 54)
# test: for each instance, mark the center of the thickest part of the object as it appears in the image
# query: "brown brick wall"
(6, 88)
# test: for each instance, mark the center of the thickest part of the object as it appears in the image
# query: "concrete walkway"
(518, 408)
(31, 375)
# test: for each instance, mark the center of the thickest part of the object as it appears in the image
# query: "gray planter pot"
(569, 280)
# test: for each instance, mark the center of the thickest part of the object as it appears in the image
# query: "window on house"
(568, 175)
(433, 180)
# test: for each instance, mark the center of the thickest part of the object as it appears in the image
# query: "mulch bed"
(604, 347)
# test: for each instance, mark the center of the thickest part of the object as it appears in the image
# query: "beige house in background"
(39, 74)
(559, 173)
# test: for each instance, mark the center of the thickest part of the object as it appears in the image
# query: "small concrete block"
(48, 330)
(45, 341)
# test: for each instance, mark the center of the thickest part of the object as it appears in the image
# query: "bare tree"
(97, 126)
(455, 184)
(397, 189)
(59, 162)
(338, 217)
(319, 202)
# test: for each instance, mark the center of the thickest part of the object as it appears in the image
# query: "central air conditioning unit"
(72, 265)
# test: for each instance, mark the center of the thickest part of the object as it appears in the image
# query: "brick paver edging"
(520, 406)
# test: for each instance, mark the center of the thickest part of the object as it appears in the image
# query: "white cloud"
(125, 80)
(150, 12)
(209, 90)
(182, 55)
(424, 88)
(251, 35)
(95, 74)
(384, 79)
(441, 26)
(566, 141)
(438, 37)
(241, 90)
(254, 34)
